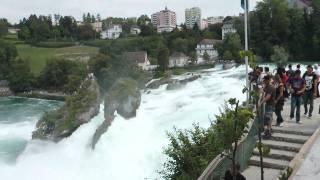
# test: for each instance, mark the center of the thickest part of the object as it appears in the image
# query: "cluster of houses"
(177, 59)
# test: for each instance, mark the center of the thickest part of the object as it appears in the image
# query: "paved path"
(285, 143)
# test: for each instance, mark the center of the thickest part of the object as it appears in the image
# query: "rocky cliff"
(79, 109)
(123, 97)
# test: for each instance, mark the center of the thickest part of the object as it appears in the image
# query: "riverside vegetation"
(274, 29)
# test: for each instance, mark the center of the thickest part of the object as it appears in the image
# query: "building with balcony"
(193, 16)
(112, 32)
(228, 27)
(208, 46)
(165, 20)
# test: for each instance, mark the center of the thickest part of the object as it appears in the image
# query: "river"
(130, 149)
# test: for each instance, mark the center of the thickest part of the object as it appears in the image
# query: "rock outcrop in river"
(80, 108)
(172, 83)
(125, 98)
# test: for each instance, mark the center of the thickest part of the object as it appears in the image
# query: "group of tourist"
(284, 84)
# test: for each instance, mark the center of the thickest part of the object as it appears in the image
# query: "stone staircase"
(284, 145)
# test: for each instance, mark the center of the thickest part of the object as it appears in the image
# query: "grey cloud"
(14, 10)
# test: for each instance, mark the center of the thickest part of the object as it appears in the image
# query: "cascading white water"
(130, 149)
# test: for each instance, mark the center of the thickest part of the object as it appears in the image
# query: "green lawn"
(38, 56)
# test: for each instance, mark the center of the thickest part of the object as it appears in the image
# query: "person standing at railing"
(268, 98)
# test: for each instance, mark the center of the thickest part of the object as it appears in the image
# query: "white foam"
(130, 149)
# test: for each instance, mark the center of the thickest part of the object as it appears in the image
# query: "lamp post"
(246, 5)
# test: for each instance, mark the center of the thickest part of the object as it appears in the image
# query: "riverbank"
(57, 96)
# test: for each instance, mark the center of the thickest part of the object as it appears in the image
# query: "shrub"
(54, 44)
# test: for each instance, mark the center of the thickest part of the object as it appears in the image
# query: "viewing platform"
(289, 146)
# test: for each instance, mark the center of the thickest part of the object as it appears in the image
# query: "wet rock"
(125, 98)
(80, 108)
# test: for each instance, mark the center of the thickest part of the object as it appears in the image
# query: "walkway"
(285, 144)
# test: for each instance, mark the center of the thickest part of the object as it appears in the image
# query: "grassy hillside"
(38, 56)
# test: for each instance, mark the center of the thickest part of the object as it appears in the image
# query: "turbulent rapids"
(130, 149)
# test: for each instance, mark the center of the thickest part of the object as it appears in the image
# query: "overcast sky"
(14, 10)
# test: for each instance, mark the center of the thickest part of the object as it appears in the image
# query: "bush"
(190, 151)
(97, 43)
(20, 77)
(54, 44)
(62, 74)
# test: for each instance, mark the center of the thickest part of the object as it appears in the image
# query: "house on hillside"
(208, 46)
(135, 30)
(139, 58)
(13, 30)
(112, 32)
(228, 27)
(97, 26)
(178, 59)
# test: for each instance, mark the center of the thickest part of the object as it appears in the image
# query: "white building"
(208, 46)
(113, 32)
(135, 30)
(215, 20)
(139, 58)
(228, 27)
(97, 26)
(165, 20)
(178, 59)
(204, 24)
(193, 16)
(155, 19)
(13, 30)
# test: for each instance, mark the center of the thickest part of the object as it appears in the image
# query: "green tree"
(73, 83)
(86, 32)
(280, 56)
(24, 33)
(206, 56)
(58, 72)
(193, 57)
(227, 55)
(180, 45)
(143, 20)
(216, 30)
(231, 43)
(3, 27)
(297, 39)
(8, 53)
(88, 19)
(190, 151)
(163, 59)
(20, 77)
(93, 19)
(269, 26)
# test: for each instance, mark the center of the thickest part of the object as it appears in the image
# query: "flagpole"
(246, 48)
